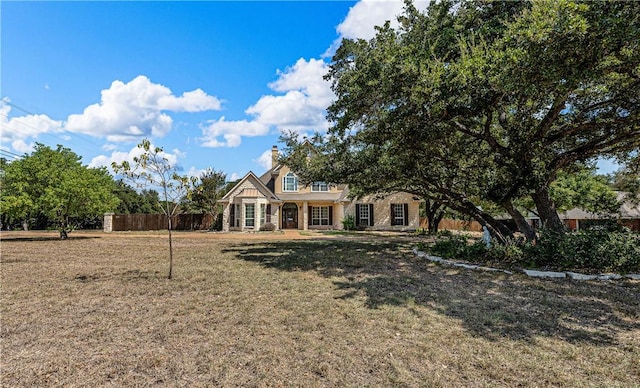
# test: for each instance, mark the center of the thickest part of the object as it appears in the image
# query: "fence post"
(108, 222)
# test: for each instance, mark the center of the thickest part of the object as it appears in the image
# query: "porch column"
(338, 216)
(225, 216)
(305, 215)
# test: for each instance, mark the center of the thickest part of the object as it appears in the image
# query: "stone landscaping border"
(528, 272)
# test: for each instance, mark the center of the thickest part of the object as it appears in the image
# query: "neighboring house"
(575, 219)
(277, 198)
(629, 215)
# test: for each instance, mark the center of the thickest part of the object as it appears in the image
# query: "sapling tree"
(152, 169)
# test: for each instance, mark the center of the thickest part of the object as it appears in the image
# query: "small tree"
(208, 191)
(152, 168)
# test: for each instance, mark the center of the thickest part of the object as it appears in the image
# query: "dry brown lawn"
(97, 310)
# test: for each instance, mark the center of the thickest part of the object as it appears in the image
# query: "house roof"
(628, 210)
(328, 197)
(258, 189)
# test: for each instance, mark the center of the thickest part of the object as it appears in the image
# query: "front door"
(290, 216)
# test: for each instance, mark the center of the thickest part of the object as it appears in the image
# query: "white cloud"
(264, 160)
(110, 147)
(24, 127)
(235, 176)
(366, 14)
(22, 147)
(301, 107)
(121, 156)
(126, 112)
(303, 95)
(195, 172)
(136, 109)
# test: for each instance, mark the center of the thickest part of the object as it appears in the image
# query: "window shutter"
(330, 215)
(406, 214)
(371, 214)
(232, 214)
(357, 214)
(268, 216)
(310, 215)
(393, 216)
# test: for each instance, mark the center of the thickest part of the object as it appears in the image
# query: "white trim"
(289, 176)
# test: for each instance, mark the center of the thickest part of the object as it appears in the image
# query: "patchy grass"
(97, 310)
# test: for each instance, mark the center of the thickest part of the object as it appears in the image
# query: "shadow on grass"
(47, 238)
(490, 305)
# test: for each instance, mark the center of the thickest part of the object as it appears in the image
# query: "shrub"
(267, 227)
(349, 222)
(599, 249)
(511, 252)
(451, 246)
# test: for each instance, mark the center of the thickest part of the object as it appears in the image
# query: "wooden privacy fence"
(448, 224)
(140, 222)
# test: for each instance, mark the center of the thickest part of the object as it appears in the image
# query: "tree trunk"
(62, 224)
(433, 222)
(497, 229)
(434, 216)
(25, 225)
(170, 249)
(521, 222)
(547, 210)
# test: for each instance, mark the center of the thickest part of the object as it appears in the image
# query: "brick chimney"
(274, 156)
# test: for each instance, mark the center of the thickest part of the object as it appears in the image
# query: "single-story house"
(277, 198)
(629, 215)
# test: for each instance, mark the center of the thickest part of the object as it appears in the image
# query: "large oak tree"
(484, 100)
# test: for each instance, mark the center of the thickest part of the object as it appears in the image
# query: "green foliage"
(54, 184)
(600, 249)
(510, 252)
(132, 202)
(627, 178)
(451, 247)
(482, 101)
(584, 189)
(206, 193)
(349, 222)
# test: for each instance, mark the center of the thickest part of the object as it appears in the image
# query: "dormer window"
(290, 182)
(319, 186)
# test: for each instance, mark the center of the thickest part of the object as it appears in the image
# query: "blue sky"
(213, 83)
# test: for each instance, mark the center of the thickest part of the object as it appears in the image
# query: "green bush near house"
(349, 222)
(596, 249)
(593, 250)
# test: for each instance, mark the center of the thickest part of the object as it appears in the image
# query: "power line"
(40, 131)
(10, 153)
(6, 101)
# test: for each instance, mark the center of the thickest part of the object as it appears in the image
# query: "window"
(319, 186)
(290, 182)
(249, 215)
(236, 217)
(262, 215)
(400, 214)
(364, 214)
(320, 215)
